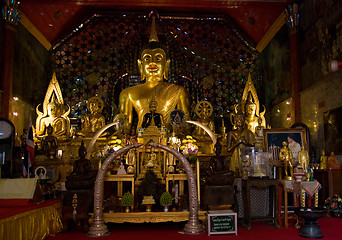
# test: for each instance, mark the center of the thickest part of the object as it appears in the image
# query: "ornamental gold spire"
(153, 34)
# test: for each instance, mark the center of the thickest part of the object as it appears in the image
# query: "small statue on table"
(49, 143)
(332, 162)
(285, 155)
(323, 161)
(81, 177)
(303, 158)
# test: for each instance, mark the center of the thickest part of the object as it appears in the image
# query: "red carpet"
(331, 229)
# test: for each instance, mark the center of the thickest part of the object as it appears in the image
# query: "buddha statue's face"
(239, 120)
(93, 107)
(250, 109)
(52, 109)
(153, 64)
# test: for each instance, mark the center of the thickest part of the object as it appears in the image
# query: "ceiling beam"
(279, 22)
(34, 31)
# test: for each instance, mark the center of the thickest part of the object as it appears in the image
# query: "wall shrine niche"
(208, 56)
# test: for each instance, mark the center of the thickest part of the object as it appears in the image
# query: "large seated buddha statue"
(154, 68)
(53, 114)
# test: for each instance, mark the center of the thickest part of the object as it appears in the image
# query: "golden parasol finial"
(153, 34)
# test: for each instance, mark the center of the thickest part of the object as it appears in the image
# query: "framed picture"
(294, 137)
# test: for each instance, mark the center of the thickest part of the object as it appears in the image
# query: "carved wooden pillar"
(10, 17)
(296, 81)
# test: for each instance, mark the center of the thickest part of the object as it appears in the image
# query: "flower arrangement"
(114, 145)
(189, 149)
(127, 199)
(165, 199)
(334, 204)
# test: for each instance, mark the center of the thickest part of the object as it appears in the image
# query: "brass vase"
(128, 209)
(148, 207)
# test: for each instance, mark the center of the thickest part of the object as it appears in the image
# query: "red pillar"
(6, 74)
(296, 80)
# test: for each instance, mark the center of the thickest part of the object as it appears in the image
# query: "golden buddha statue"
(252, 108)
(237, 139)
(62, 172)
(323, 161)
(251, 118)
(94, 120)
(204, 111)
(53, 113)
(259, 133)
(154, 67)
(285, 155)
(303, 158)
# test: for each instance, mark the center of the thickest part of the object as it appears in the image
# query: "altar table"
(272, 185)
(304, 191)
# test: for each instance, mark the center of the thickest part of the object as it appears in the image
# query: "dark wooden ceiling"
(56, 18)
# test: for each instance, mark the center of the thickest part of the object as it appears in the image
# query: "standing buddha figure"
(285, 155)
(303, 158)
(323, 161)
(154, 68)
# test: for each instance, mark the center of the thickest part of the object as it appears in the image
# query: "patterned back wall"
(208, 57)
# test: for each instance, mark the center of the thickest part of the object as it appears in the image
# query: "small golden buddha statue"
(154, 67)
(151, 161)
(94, 120)
(237, 139)
(204, 111)
(285, 155)
(62, 172)
(303, 158)
(259, 133)
(323, 161)
(251, 118)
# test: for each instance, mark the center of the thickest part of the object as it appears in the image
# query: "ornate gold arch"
(250, 88)
(53, 93)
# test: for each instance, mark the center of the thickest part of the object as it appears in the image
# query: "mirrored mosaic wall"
(208, 56)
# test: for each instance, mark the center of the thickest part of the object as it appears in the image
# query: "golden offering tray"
(150, 217)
